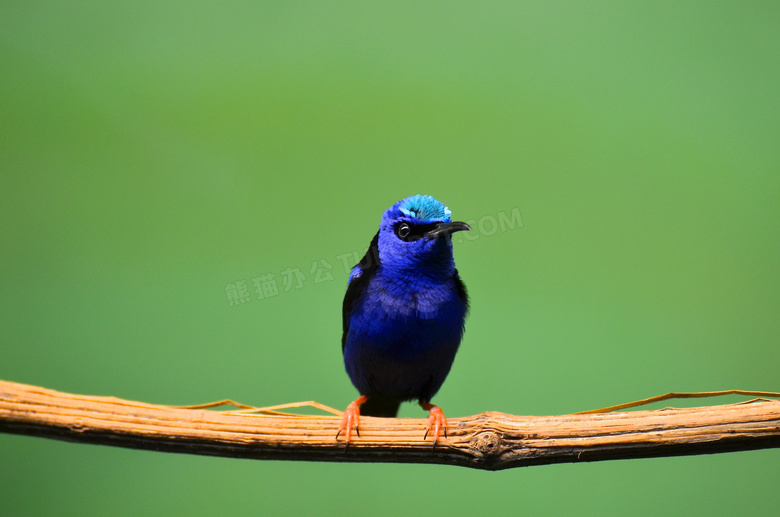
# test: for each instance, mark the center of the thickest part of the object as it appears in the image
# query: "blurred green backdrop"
(154, 154)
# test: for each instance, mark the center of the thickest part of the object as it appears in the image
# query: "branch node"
(487, 444)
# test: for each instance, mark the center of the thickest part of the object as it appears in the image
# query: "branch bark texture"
(489, 441)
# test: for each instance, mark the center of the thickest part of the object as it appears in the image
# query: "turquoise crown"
(424, 208)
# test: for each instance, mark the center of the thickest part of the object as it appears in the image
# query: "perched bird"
(403, 314)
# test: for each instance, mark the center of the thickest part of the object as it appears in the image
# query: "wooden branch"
(489, 441)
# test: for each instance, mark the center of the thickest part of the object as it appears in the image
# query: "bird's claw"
(350, 420)
(436, 422)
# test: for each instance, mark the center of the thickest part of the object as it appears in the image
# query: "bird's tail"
(378, 406)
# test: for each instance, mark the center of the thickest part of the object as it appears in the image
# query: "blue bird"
(403, 314)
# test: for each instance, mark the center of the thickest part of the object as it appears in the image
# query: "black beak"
(447, 229)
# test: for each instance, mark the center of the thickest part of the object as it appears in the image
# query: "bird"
(403, 314)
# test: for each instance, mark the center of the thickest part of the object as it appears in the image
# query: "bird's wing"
(461, 288)
(358, 280)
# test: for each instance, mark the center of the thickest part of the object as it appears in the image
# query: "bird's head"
(415, 235)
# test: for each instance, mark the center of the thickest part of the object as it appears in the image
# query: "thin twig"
(490, 441)
(680, 395)
(267, 410)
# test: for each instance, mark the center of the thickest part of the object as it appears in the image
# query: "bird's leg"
(436, 421)
(351, 418)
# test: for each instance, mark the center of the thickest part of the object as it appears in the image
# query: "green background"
(152, 153)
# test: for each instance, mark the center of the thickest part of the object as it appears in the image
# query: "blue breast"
(403, 335)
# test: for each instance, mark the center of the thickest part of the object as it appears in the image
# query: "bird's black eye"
(403, 230)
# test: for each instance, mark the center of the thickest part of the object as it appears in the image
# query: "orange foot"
(351, 418)
(436, 421)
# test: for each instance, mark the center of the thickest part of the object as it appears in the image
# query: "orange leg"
(436, 421)
(351, 418)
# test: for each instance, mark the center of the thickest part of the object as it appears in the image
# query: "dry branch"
(490, 441)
